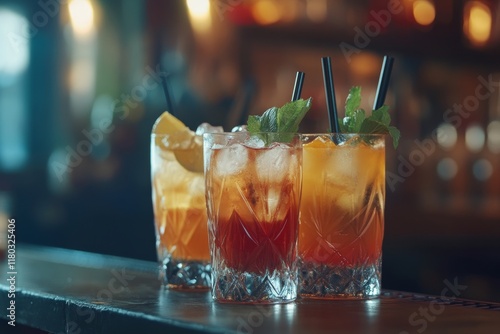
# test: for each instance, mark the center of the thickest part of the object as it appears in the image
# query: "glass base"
(230, 286)
(180, 274)
(339, 282)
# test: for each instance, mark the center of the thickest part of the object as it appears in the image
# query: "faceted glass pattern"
(180, 219)
(253, 198)
(342, 216)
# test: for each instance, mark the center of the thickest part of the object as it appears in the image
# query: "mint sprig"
(285, 119)
(355, 120)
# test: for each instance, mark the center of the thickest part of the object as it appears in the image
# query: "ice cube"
(217, 146)
(350, 141)
(349, 202)
(273, 163)
(231, 160)
(343, 164)
(350, 174)
(175, 141)
(207, 128)
(239, 128)
(255, 142)
(273, 200)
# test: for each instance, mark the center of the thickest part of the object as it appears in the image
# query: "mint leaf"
(378, 123)
(268, 120)
(382, 115)
(354, 116)
(370, 126)
(280, 120)
(352, 101)
(355, 120)
(291, 114)
(253, 124)
(395, 134)
(353, 123)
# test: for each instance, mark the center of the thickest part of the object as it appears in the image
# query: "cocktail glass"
(178, 187)
(253, 197)
(342, 215)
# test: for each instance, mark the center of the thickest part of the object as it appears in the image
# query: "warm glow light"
(316, 10)
(198, 8)
(81, 13)
(477, 23)
(81, 76)
(199, 14)
(424, 12)
(365, 64)
(266, 12)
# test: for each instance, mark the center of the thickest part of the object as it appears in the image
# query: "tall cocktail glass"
(342, 215)
(253, 186)
(180, 211)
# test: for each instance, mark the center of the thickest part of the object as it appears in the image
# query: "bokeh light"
(447, 169)
(477, 22)
(446, 135)
(316, 10)
(266, 12)
(199, 14)
(365, 64)
(475, 138)
(81, 14)
(14, 61)
(482, 170)
(14, 56)
(424, 12)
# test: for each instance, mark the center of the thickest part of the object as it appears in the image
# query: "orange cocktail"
(179, 205)
(342, 215)
(180, 211)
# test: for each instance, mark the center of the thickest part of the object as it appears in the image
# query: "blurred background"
(80, 90)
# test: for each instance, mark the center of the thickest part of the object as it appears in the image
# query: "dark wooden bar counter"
(64, 291)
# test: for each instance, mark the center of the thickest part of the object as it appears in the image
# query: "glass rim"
(344, 134)
(169, 134)
(251, 133)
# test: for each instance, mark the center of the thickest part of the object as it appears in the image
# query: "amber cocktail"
(342, 215)
(179, 205)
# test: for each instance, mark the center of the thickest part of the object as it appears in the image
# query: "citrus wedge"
(187, 147)
(168, 124)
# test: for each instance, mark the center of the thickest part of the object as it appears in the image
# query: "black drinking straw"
(383, 82)
(297, 88)
(168, 97)
(331, 103)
